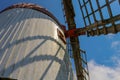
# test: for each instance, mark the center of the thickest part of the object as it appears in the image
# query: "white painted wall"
(30, 48)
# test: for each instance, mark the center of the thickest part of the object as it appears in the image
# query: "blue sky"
(103, 52)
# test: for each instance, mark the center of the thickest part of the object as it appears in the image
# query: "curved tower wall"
(30, 48)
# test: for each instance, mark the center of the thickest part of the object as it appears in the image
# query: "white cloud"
(110, 36)
(101, 72)
(116, 45)
(116, 59)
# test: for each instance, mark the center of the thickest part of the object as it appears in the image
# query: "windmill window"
(61, 36)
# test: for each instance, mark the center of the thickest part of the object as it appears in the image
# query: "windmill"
(27, 24)
(97, 28)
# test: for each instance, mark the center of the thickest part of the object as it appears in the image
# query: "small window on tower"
(2, 78)
(61, 36)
